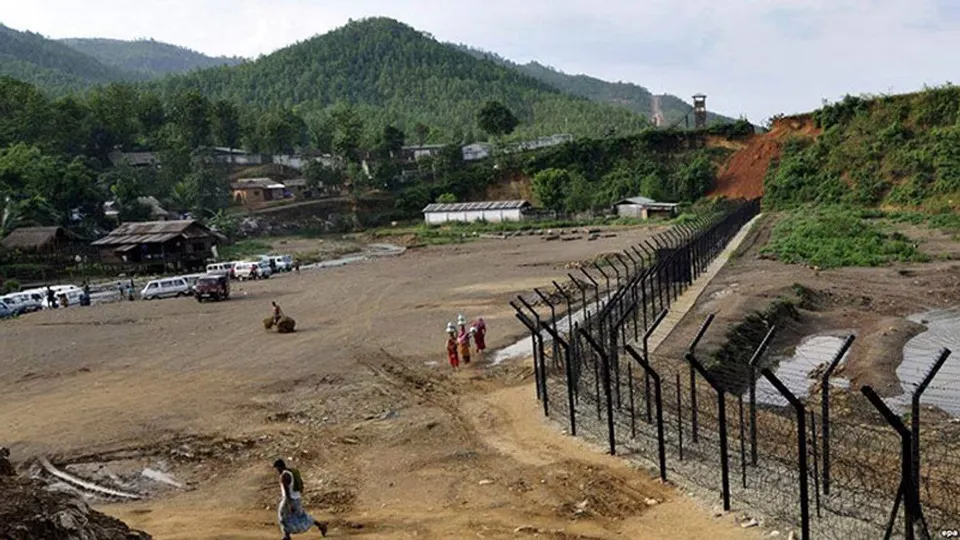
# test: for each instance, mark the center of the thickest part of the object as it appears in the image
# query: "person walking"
(290, 513)
(480, 335)
(463, 339)
(51, 298)
(452, 355)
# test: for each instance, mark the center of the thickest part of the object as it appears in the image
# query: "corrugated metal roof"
(475, 206)
(256, 183)
(152, 232)
(645, 201)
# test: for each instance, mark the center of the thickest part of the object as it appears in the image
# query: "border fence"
(820, 459)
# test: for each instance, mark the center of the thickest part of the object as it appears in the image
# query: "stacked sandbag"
(286, 325)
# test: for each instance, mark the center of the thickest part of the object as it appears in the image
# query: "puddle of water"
(524, 347)
(795, 371)
(373, 250)
(919, 354)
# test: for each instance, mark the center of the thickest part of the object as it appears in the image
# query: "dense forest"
(146, 56)
(51, 65)
(622, 94)
(399, 76)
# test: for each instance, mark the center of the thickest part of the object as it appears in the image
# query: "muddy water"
(795, 371)
(919, 354)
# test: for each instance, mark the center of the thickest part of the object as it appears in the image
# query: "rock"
(774, 533)
(485, 482)
(651, 502)
(751, 523)
(791, 536)
(526, 529)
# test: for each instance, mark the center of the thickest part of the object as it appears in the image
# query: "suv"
(212, 286)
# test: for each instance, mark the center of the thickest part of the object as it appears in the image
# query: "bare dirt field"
(871, 303)
(391, 443)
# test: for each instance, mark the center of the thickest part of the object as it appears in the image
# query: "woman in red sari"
(452, 355)
(480, 335)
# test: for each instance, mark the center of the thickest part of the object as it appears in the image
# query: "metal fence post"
(801, 449)
(607, 391)
(568, 357)
(722, 421)
(915, 418)
(911, 507)
(646, 357)
(825, 408)
(658, 399)
(693, 377)
(757, 354)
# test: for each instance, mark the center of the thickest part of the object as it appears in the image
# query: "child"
(452, 346)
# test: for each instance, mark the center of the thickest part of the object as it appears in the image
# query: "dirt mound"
(31, 510)
(743, 174)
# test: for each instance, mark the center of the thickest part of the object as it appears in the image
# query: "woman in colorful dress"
(452, 355)
(480, 335)
(463, 339)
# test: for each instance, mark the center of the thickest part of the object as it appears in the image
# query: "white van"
(165, 288)
(284, 263)
(222, 268)
(72, 292)
(24, 302)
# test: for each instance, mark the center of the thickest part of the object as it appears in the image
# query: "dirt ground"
(871, 303)
(390, 442)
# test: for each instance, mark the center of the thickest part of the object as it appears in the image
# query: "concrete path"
(688, 299)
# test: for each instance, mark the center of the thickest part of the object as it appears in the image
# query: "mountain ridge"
(147, 56)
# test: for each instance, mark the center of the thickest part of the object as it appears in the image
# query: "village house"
(490, 211)
(181, 244)
(235, 156)
(414, 153)
(297, 188)
(645, 208)
(134, 159)
(111, 209)
(46, 241)
(248, 191)
(476, 151)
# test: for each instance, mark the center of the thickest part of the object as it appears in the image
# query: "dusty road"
(391, 443)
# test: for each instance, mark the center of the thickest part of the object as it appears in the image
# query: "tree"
(278, 132)
(207, 185)
(226, 124)
(390, 143)
(549, 187)
(496, 119)
(692, 180)
(320, 177)
(580, 196)
(114, 109)
(421, 131)
(151, 115)
(446, 198)
(191, 116)
(347, 130)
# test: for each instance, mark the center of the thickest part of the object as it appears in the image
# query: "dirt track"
(391, 444)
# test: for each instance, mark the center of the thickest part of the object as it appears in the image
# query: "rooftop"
(476, 206)
(645, 201)
(256, 183)
(34, 237)
(149, 232)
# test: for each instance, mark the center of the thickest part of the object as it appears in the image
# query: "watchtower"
(699, 111)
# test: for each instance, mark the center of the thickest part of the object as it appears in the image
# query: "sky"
(752, 58)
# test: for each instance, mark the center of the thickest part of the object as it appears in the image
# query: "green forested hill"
(146, 56)
(53, 66)
(396, 74)
(631, 96)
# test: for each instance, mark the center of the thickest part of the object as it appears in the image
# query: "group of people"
(458, 342)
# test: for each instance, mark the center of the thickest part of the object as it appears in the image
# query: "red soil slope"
(742, 176)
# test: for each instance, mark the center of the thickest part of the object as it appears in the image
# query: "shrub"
(10, 286)
(834, 236)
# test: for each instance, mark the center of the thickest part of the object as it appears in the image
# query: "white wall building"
(475, 151)
(645, 208)
(490, 211)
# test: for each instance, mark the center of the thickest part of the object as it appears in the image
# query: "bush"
(10, 286)
(831, 237)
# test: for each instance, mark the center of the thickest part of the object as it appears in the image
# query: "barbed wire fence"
(791, 443)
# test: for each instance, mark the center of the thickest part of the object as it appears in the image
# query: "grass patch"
(242, 249)
(837, 236)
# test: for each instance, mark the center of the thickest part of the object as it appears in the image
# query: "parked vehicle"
(213, 286)
(166, 288)
(265, 270)
(6, 311)
(72, 292)
(24, 302)
(284, 263)
(224, 267)
(248, 270)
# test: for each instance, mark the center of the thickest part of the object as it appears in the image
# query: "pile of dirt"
(743, 174)
(32, 510)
